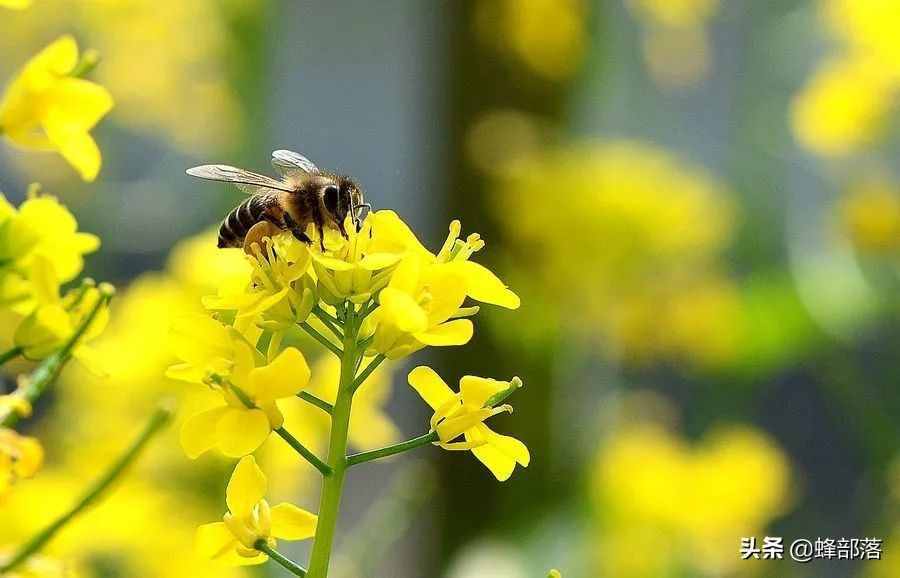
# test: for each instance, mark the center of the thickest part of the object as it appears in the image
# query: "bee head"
(343, 198)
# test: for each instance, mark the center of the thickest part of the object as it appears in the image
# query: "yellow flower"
(464, 413)
(417, 309)
(56, 318)
(422, 303)
(550, 37)
(250, 519)
(279, 294)
(46, 108)
(690, 501)
(358, 267)
(15, 4)
(870, 215)
(20, 457)
(40, 228)
(218, 356)
(843, 106)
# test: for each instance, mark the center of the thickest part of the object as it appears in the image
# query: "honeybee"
(302, 195)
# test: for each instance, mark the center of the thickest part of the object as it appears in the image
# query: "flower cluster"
(686, 501)
(845, 104)
(49, 107)
(40, 249)
(376, 295)
(653, 230)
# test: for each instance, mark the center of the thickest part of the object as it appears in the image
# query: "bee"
(302, 195)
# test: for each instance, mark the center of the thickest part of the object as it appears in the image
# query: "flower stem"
(321, 339)
(154, 425)
(10, 354)
(365, 373)
(316, 401)
(47, 372)
(328, 321)
(283, 433)
(332, 487)
(274, 554)
(304, 451)
(391, 450)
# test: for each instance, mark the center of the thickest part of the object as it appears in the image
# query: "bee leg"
(300, 235)
(321, 236)
(343, 230)
(291, 225)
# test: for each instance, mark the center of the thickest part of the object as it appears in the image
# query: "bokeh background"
(698, 201)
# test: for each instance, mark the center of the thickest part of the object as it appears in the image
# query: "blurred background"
(696, 199)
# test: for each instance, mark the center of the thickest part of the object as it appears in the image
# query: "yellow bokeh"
(652, 230)
(687, 503)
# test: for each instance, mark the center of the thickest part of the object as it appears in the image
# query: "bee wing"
(248, 181)
(293, 165)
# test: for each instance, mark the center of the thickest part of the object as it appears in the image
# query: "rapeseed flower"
(843, 106)
(869, 215)
(463, 414)
(56, 318)
(417, 308)
(358, 267)
(422, 303)
(20, 457)
(40, 228)
(279, 295)
(686, 502)
(220, 357)
(249, 520)
(46, 107)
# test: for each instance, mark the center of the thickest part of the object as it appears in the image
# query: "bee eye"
(330, 197)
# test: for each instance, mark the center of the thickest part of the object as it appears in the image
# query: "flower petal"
(240, 431)
(430, 386)
(482, 285)
(198, 432)
(477, 390)
(501, 453)
(456, 332)
(402, 310)
(213, 540)
(292, 523)
(246, 487)
(286, 376)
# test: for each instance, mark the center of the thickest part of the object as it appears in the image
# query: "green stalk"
(284, 434)
(391, 450)
(47, 372)
(277, 556)
(10, 354)
(333, 485)
(156, 422)
(316, 401)
(322, 339)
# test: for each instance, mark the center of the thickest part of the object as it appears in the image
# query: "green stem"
(391, 450)
(304, 451)
(274, 554)
(283, 433)
(332, 487)
(156, 422)
(10, 354)
(321, 339)
(316, 401)
(47, 372)
(328, 321)
(365, 373)
(90, 58)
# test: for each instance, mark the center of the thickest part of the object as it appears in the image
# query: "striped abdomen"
(238, 222)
